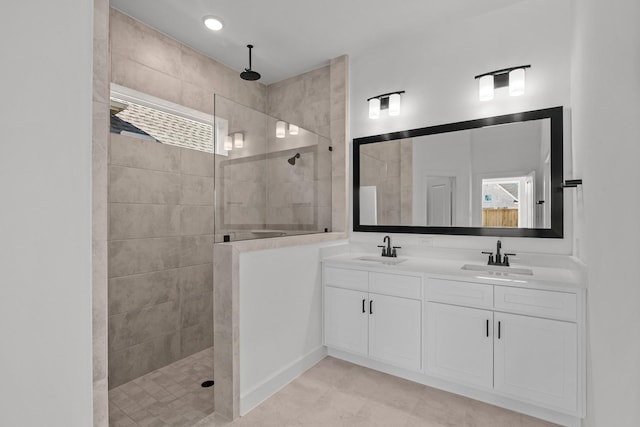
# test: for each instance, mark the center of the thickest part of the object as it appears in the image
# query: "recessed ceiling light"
(212, 23)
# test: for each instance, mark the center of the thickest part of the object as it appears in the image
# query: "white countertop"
(552, 272)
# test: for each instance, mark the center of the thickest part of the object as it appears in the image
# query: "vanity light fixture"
(238, 139)
(514, 77)
(486, 88)
(212, 23)
(228, 143)
(293, 129)
(390, 101)
(374, 108)
(281, 129)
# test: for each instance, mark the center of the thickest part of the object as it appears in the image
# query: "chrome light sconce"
(513, 77)
(387, 101)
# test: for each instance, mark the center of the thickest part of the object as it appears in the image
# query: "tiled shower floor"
(169, 396)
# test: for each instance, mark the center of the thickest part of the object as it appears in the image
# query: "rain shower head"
(292, 161)
(248, 73)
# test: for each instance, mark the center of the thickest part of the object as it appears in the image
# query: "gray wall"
(45, 254)
(160, 255)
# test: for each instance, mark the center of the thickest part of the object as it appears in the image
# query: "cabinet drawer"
(560, 305)
(346, 278)
(461, 293)
(396, 285)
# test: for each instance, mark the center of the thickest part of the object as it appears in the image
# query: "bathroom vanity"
(510, 336)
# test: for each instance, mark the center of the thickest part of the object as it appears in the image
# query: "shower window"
(270, 186)
(137, 114)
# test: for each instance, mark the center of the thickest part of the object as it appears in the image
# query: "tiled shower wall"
(317, 100)
(389, 167)
(160, 255)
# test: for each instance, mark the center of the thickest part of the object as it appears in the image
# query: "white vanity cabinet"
(346, 320)
(537, 359)
(506, 339)
(521, 343)
(372, 314)
(460, 344)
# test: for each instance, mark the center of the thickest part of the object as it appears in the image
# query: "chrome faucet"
(389, 251)
(499, 258)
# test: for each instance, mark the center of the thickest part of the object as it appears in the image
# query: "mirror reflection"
(496, 176)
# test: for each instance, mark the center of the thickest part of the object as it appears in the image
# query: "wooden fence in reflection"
(500, 217)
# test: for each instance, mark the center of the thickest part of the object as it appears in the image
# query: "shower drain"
(208, 383)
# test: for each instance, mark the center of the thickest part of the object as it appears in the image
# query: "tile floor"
(169, 396)
(333, 393)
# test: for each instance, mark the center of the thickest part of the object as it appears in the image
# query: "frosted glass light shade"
(293, 129)
(374, 108)
(228, 143)
(281, 129)
(516, 82)
(394, 104)
(238, 140)
(485, 88)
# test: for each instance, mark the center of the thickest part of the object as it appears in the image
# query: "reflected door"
(439, 201)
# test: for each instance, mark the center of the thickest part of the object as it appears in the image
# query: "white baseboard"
(278, 380)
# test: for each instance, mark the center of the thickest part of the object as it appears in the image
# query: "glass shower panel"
(268, 186)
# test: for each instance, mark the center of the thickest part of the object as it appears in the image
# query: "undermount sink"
(497, 269)
(382, 259)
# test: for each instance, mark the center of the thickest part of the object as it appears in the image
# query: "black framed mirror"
(496, 176)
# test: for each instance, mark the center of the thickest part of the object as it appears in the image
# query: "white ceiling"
(294, 36)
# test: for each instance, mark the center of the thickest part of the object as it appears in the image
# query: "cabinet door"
(394, 330)
(460, 344)
(536, 359)
(346, 317)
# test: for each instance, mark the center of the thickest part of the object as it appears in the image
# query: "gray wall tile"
(195, 280)
(151, 47)
(197, 309)
(139, 153)
(138, 326)
(196, 338)
(129, 185)
(132, 362)
(197, 190)
(135, 75)
(141, 290)
(194, 162)
(143, 255)
(196, 250)
(196, 220)
(131, 221)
